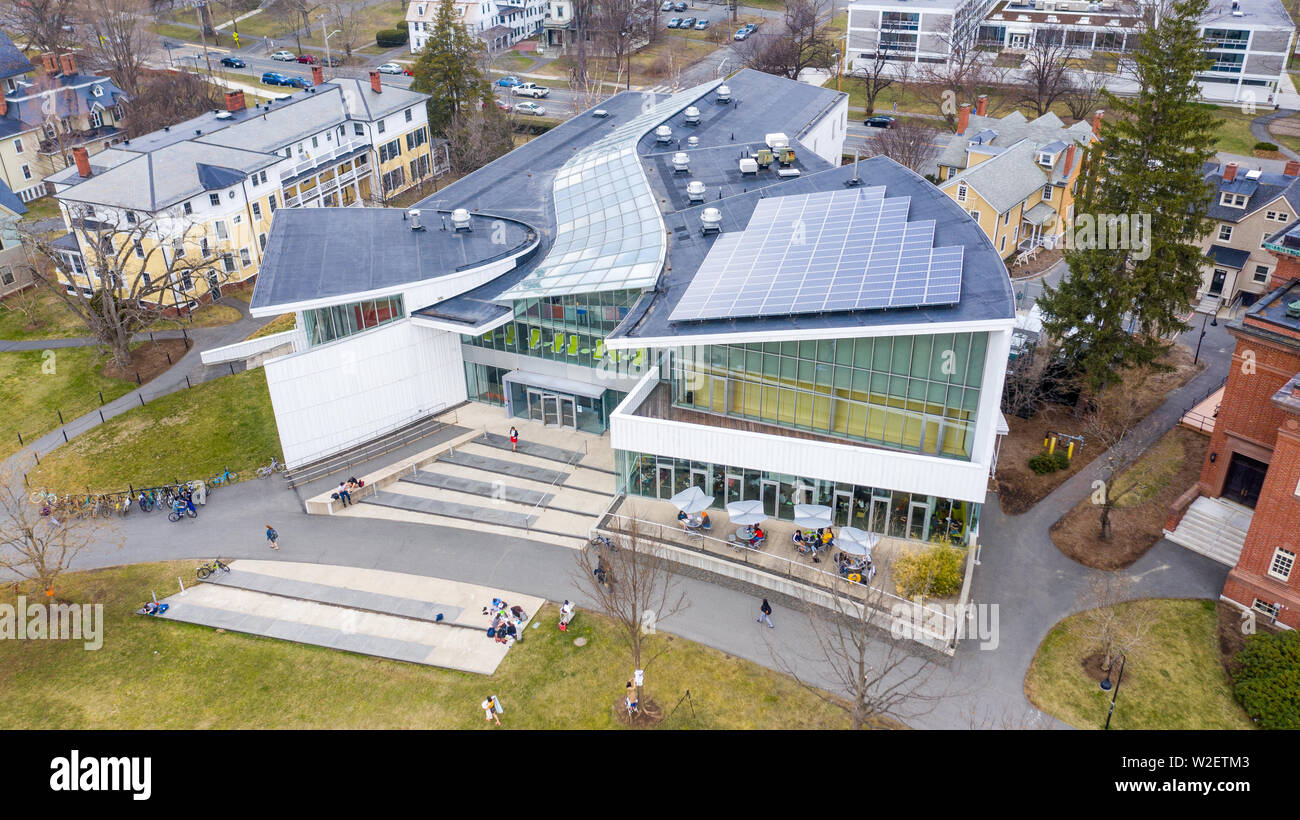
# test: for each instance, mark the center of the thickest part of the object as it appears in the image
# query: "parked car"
(233, 62)
(666, 6)
(679, 7)
(504, 106)
(741, 34)
(530, 90)
(330, 61)
(689, 22)
(508, 81)
(701, 24)
(284, 56)
(309, 59)
(391, 68)
(274, 78)
(879, 121)
(675, 22)
(298, 82)
(530, 108)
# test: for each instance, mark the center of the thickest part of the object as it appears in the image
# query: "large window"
(916, 393)
(568, 328)
(335, 322)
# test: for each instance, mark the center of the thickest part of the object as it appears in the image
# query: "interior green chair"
(557, 343)
(639, 359)
(510, 335)
(490, 336)
(534, 338)
(599, 353)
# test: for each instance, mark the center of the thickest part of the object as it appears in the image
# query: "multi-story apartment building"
(46, 113)
(1248, 207)
(1015, 177)
(498, 23)
(1245, 509)
(833, 333)
(558, 25)
(14, 271)
(208, 188)
(1248, 40)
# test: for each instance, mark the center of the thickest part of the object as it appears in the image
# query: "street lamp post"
(1105, 687)
(327, 42)
(1201, 338)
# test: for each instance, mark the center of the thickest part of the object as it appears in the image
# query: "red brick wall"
(1247, 411)
(1288, 268)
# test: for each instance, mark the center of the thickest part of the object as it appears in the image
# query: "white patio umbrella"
(692, 500)
(855, 541)
(746, 512)
(813, 516)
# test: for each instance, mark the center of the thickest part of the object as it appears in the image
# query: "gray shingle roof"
(1263, 190)
(1011, 129)
(1007, 179)
(12, 61)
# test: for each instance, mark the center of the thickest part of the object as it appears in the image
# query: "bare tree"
(122, 301)
(26, 303)
(350, 20)
(1084, 96)
(1112, 428)
(909, 143)
(876, 73)
(803, 40)
(296, 13)
(168, 97)
(966, 73)
(477, 137)
(118, 40)
(1046, 70)
(35, 544)
(42, 24)
(618, 26)
(874, 677)
(633, 584)
(1111, 620)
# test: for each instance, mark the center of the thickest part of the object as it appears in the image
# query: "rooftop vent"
(224, 115)
(1254, 173)
(460, 220)
(777, 141)
(695, 191)
(664, 134)
(724, 93)
(600, 112)
(414, 214)
(692, 115)
(748, 165)
(692, 142)
(711, 221)
(681, 162)
(1293, 309)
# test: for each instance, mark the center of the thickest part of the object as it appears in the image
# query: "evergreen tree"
(450, 68)
(1147, 162)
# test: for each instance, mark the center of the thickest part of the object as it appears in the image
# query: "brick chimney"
(1230, 172)
(1069, 161)
(82, 157)
(981, 104)
(1292, 168)
(317, 75)
(374, 83)
(963, 118)
(1286, 270)
(68, 62)
(1096, 121)
(4, 104)
(235, 101)
(50, 63)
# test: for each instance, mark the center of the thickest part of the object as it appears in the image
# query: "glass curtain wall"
(875, 509)
(566, 328)
(337, 321)
(914, 393)
(483, 383)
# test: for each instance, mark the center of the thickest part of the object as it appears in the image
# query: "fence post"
(101, 398)
(137, 377)
(60, 412)
(187, 382)
(20, 440)
(101, 416)
(232, 367)
(65, 436)
(169, 357)
(140, 396)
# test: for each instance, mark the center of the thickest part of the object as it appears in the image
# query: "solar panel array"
(824, 252)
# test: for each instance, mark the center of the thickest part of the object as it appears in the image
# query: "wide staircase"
(359, 454)
(1213, 527)
(543, 491)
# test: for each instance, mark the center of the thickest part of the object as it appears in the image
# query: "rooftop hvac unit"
(414, 215)
(749, 165)
(695, 191)
(460, 220)
(1254, 173)
(224, 115)
(787, 173)
(681, 162)
(692, 115)
(692, 142)
(664, 134)
(724, 93)
(763, 157)
(711, 221)
(777, 141)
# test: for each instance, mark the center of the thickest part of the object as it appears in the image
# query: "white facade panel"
(341, 394)
(826, 137)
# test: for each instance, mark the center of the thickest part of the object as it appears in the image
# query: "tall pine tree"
(1148, 161)
(450, 68)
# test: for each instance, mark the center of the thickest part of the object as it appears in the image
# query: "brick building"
(1245, 509)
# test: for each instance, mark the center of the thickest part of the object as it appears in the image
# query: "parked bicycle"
(272, 468)
(180, 510)
(208, 569)
(223, 477)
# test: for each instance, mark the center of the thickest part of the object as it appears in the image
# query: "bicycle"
(274, 467)
(223, 477)
(207, 570)
(178, 511)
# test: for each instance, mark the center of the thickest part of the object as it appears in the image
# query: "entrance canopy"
(523, 378)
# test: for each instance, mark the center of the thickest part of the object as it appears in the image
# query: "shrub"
(1265, 146)
(390, 37)
(936, 571)
(1043, 463)
(1062, 460)
(1267, 683)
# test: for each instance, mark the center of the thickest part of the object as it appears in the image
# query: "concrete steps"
(559, 538)
(1214, 528)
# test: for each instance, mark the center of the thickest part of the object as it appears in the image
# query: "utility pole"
(198, 13)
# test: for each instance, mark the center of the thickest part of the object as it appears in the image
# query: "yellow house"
(1015, 177)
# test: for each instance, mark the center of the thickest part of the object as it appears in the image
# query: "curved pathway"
(1259, 130)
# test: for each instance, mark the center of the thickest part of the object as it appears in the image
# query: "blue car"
(676, 22)
(509, 82)
(274, 78)
(297, 82)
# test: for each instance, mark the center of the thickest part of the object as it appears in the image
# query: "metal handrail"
(377, 445)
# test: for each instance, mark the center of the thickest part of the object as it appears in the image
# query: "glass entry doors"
(552, 409)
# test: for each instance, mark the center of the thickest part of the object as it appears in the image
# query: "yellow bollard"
(1069, 451)
(1051, 448)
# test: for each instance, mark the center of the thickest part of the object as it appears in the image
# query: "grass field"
(156, 674)
(33, 395)
(212, 315)
(46, 207)
(1234, 133)
(1175, 682)
(184, 435)
(53, 320)
(277, 325)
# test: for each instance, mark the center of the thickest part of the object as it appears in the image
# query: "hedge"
(1267, 683)
(391, 37)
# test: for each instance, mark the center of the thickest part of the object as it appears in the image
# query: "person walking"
(765, 614)
(514, 440)
(272, 536)
(491, 708)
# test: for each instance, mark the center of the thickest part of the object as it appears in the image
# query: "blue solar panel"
(828, 251)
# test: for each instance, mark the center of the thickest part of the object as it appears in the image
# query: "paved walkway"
(1259, 130)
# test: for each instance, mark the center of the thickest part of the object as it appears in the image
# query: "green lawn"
(33, 397)
(47, 207)
(1234, 134)
(1175, 682)
(212, 315)
(184, 435)
(53, 319)
(157, 674)
(279, 324)
(511, 61)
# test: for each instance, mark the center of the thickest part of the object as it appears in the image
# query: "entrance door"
(214, 285)
(843, 506)
(700, 478)
(879, 514)
(1216, 284)
(665, 481)
(550, 410)
(771, 490)
(1245, 478)
(916, 521)
(534, 405)
(1019, 40)
(735, 485)
(568, 415)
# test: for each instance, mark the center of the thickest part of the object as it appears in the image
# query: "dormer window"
(1233, 200)
(961, 193)
(1045, 158)
(98, 90)
(1047, 193)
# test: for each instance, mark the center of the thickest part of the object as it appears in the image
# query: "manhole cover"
(579, 641)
